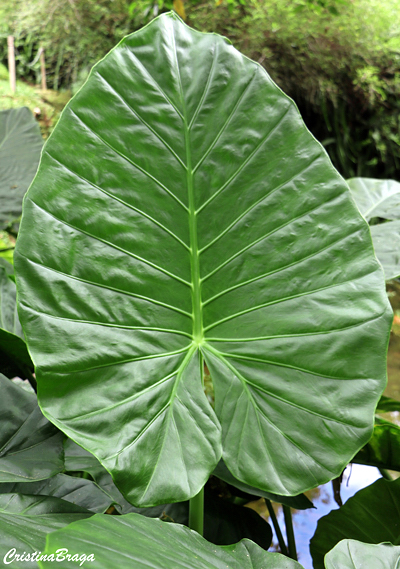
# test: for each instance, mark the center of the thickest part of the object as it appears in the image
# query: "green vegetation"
(45, 106)
(338, 59)
(200, 302)
(74, 34)
(127, 296)
(342, 69)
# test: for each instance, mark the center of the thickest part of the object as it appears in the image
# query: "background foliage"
(338, 59)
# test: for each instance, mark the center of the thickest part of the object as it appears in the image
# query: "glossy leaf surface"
(30, 446)
(156, 544)
(26, 520)
(376, 198)
(83, 493)
(351, 554)
(370, 516)
(381, 199)
(182, 210)
(20, 146)
(13, 351)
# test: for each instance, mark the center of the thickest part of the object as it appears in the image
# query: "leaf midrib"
(198, 335)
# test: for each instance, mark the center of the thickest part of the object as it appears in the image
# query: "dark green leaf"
(181, 210)
(300, 502)
(144, 543)
(26, 520)
(9, 268)
(30, 447)
(387, 405)
(383, 449)
(77, 459)
(371, 516)
(20, 146)
(13, 351)
(79, 491)
(350, 554)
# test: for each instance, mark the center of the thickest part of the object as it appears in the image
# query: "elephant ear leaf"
(351, 554)
(380, 199)
(371, 515)
(182, 212)
(30, 447)
(14, 357)
(156, 544)
(20, 146)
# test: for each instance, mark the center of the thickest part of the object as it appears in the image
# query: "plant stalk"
(289, 532)
(196, 512)
(277, 528)
(28, 375)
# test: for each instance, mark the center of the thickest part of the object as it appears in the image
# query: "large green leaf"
(351, 554)
(13, 352)
(138, 542)
(182, 210)
(370, 516)
(79, 491)
(20, 146)
(383, 449)
(30, 447)
(381, 198)
(26, 520)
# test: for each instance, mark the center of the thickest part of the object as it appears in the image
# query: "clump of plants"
(200, 298)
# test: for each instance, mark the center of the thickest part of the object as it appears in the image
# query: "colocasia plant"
(184, 226)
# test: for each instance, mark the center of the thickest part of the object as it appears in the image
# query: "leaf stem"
(289, 532)
(29, 376)
(277, 528)
(196, 512)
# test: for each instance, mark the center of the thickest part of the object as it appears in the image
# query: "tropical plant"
(20, 146)
(200, 226)
(371, 516)
(379, 202)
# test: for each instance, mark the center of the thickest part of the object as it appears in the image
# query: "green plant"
(72, 33)
(201, 222)
(20, 146)
(379, 202)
